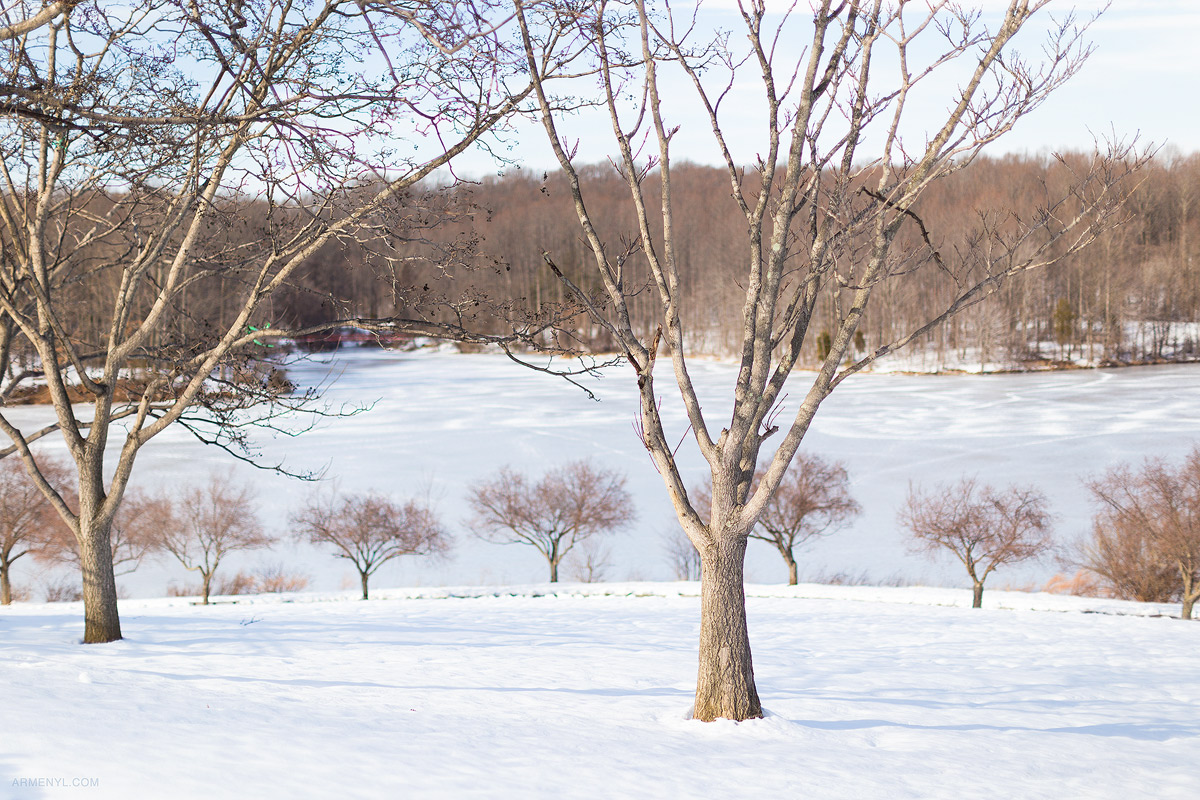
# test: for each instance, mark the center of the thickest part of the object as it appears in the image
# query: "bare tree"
(370, 530)
(152, 204)
(831, 220)
(983, 527)
(1146, 534)
(569, 505)
(1126, 559)
(205, 524)
(812, 500)
(27, 522)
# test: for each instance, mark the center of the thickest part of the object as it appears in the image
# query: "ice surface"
(445, 420)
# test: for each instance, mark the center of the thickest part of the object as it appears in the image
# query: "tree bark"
(1189, 594)
(5, 585)
(725, 683)
(365, 577)
(207, 580)
(101, 620)
(793, 573)
(553, 571)
(977, 602)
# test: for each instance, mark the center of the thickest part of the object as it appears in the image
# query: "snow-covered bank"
(902, 595)
(576, 695)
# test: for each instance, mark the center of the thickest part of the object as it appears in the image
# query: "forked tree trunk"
(207, 585)
(977, 602)
(725, 683)
(101, 620)
(365, 578)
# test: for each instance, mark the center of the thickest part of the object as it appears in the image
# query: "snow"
(477, 680)
(584, 691)
(440, 421)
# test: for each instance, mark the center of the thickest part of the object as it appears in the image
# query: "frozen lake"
(440, 421)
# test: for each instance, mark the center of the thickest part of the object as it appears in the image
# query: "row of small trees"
(567, 506)
(1144, 545)
(200, 526)
(1145, 538)
(573, 503)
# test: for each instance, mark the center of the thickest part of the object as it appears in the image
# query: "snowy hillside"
(898, 693)
(443, 420)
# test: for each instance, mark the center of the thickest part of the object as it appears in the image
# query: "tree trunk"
(365, 577)
(553, 571)
(207, 581)
(725, 684)
(978, 597)
(101, 621)
(1189, 590)
(5, 585)
(793, 573)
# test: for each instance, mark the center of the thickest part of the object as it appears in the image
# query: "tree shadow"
(1151, 731)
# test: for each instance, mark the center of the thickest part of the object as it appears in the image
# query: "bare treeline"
(1132, 298)
(1127, 296)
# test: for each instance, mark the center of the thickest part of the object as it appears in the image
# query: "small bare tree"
(983, 527)
(1125, 558)
(207, 523)
(569, 505)
(370, 530)
(812, 500)
(27, 520)
(1146, 533)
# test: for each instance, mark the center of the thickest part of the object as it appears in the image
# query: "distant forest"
(1133, 297)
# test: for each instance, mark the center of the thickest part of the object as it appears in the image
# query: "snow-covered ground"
(460, 690)
(869, 693)
(443, 420)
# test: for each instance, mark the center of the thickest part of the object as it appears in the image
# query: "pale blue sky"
(1144, 78)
